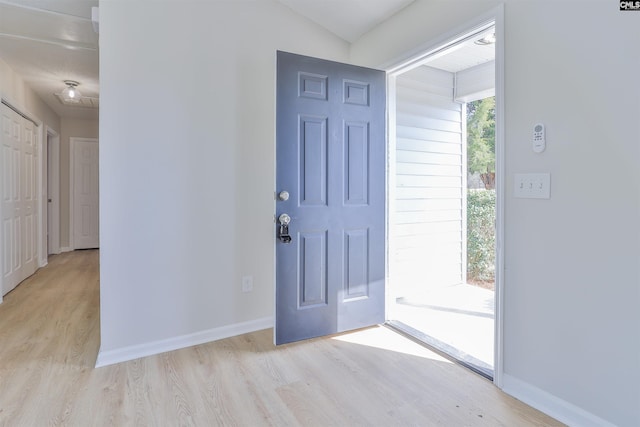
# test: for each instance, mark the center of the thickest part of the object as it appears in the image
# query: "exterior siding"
(428, 217)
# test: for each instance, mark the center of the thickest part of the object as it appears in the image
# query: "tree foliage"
(481, 136)
(481, 237)
(481, 215)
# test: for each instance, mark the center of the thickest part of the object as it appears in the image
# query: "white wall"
(20, 95)
(187, 166)
(70, 128)
(572, 283)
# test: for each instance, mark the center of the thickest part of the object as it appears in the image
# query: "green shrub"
(481, 217)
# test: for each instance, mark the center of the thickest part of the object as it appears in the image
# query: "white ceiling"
(348, 19)
(49, 41)
(465, 54)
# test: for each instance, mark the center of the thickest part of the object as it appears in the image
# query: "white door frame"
(52, 190)
(43, 217)
(413, 59)
(72, 143)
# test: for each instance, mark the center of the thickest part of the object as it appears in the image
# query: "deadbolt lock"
(283, 232)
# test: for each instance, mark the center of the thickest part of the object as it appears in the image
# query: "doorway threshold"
(442, 348)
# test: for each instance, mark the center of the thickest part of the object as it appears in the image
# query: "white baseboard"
(65, 249)
(110, 357)
(551, 405)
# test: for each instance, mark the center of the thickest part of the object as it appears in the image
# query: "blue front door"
(330, 179)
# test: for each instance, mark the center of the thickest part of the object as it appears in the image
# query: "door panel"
(11, 138)
(331, 155)
(313, 160)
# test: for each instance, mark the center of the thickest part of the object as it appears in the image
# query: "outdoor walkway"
(460, 316)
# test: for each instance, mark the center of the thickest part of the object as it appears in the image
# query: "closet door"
(18, 207)
(11, 204)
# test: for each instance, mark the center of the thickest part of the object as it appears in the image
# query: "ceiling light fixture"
(71, 92)
(488, 39)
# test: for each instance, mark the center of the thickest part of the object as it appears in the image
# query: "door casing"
(406, 62)
(52, 191)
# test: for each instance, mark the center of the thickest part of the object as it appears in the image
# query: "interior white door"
(85, 226)
(18, 209)
(10, 233)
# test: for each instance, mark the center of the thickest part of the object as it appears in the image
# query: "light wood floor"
(49, 339)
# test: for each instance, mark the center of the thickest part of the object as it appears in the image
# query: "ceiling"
(348, 19)
(465, 54)
(49, 41)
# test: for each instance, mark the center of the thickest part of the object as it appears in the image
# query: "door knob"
(283, 196)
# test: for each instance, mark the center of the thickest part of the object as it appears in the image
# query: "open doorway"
(442, 200)
(52, 189)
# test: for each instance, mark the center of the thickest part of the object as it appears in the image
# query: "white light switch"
(533, 185)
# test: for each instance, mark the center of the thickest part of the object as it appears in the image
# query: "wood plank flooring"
(49, 339)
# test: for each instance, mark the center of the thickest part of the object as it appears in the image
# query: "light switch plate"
(532, 185)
